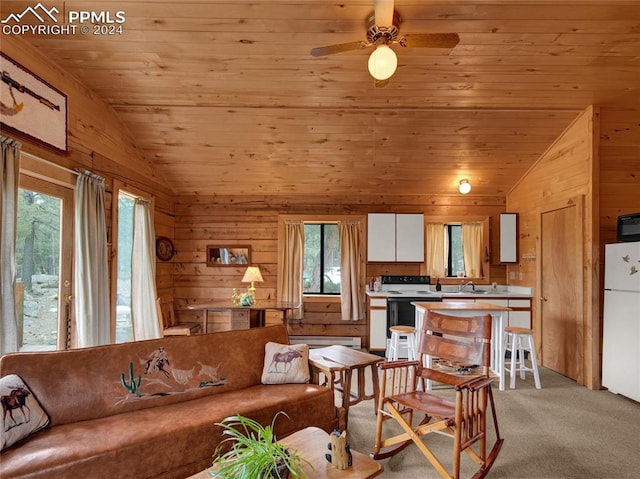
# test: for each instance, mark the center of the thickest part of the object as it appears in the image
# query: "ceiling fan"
(383, 31)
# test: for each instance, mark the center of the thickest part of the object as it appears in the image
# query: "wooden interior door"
(561, 290)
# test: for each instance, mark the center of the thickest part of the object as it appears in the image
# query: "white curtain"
(436, 250)
(10, 169)
(352, 300)
(146, 323)
(472, 249)
(291, 266)
(91, 274)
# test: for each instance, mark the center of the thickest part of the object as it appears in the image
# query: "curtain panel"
(146, 323)
(352, 298)
(10, 169)
(436, 250)
(91, 275)
(291, 267)
(472, 249)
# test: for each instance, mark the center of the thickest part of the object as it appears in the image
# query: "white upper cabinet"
(410, 237)
(381, 237)
(395, 237)
(508, 238)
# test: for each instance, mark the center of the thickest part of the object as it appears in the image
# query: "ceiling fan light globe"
(382, 62)
(464, 187)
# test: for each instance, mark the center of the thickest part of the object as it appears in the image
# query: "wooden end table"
(311, 443)
(337, 363)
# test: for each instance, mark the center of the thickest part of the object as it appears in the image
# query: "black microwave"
(629, 227)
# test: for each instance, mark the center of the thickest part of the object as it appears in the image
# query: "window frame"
(112, 241)
(486, 264)
(322, 225)
(314, 218)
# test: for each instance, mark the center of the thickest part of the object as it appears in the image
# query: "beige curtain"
(10, 170)
(352, 298)
(291, 266)
(472, 249)
(436, 253)
(91, 271)
(146, 324)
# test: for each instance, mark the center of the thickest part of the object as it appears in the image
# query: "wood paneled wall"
(568, 169)
(100, 143)
(253, 220)
(619, 168)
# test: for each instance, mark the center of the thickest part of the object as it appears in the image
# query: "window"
(124, 325)
(457, 249)
(455, 256)
(321, 259)
(43, 264)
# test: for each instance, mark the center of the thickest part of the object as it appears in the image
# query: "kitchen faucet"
(462, 285)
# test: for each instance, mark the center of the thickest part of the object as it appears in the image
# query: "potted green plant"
(251, 451)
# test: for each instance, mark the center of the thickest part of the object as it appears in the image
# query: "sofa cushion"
(21, 412)
(151, 442)
(285, 363)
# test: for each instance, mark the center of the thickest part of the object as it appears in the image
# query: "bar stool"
(402, 336)
(518, 341)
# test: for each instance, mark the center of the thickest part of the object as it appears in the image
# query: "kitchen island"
(459, 308)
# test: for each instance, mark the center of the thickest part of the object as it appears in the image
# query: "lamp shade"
(382, 62)
(464, 187)
(252, 274)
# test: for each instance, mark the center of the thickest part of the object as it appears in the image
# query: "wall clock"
(164, 248)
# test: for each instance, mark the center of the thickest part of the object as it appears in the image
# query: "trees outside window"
(321, 259)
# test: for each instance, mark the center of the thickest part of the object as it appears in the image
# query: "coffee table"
(337, 363)
(311, 443)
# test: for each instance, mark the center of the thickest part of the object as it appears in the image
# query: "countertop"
(482, 292)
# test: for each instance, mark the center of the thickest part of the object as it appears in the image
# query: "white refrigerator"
(621, 320)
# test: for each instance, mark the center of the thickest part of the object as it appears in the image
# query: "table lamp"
(250, 276)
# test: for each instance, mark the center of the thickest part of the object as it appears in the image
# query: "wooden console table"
(243, 317)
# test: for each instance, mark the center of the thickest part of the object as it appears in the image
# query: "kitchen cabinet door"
(377, 324)
(508, 238)
(410, 237)
(381, 237)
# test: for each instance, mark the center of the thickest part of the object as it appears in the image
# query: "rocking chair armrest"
(384, 365)
(475, 383)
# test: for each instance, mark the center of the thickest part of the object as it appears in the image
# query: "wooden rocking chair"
(457, 351)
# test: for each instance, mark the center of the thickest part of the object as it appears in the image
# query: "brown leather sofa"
(147, 409)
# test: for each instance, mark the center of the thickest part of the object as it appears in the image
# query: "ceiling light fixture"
(464, 187)
(382, 62)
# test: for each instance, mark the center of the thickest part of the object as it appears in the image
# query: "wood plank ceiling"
(225, 98)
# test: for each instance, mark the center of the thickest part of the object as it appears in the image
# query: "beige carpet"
(560, 431)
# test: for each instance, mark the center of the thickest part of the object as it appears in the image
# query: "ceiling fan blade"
(430, 40)
(337, 48)
(383, 13)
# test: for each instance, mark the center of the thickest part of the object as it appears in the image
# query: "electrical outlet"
(521, 275)
(512, 275)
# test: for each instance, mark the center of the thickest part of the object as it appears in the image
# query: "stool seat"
(402, 336)
(402, 329)
(518, 341)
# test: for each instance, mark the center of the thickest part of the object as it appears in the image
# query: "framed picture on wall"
(228, 255)
(32, 108)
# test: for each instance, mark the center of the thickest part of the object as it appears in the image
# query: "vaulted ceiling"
(225, 97)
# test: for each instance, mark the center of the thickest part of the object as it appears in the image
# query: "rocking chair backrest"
(460, 340)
